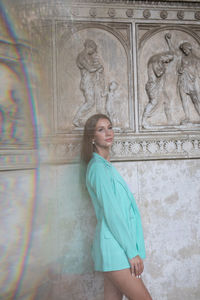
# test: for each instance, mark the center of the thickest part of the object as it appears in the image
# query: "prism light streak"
(27, 235)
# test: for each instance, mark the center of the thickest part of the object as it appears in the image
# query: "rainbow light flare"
(15, 275)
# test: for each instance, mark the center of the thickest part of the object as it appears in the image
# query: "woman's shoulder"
(94, 165)
(98, 166)
(98, 160)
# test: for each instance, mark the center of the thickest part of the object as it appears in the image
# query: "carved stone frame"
(122, 32)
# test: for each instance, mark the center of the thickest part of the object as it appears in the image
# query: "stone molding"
(110, 10)
(131, 148)
(13, 159)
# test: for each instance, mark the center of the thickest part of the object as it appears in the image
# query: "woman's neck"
(105, 153)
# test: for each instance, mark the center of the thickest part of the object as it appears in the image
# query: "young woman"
(118, 246)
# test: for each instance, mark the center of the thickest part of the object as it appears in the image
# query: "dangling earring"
(93, 142)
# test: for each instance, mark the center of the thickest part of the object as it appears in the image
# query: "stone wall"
(143, 71)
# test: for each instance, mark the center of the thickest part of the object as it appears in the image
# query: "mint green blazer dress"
(119, 234)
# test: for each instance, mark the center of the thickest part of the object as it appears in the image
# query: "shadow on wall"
(70, 269)
(87, 286)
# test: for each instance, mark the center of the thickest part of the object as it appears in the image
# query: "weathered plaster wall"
(168, 195)
(59, 264)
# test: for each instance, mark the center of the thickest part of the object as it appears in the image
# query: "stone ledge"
(18, 159)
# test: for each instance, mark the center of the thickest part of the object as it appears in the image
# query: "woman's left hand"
(137, 266)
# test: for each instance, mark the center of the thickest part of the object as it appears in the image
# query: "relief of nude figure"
(188, 71)
(156, 69)
(92, 82)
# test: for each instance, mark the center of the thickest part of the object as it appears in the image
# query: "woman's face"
(103, 136)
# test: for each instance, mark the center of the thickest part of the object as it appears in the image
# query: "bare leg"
(148, 111)
(167, 112)
(111, 292)
(129, 285)
(85, 108)
(185, 103)
(195, 101)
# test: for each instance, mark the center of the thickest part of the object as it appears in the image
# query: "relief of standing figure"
(92, 80)
(156, 68)
(188, 72)
(110, 99)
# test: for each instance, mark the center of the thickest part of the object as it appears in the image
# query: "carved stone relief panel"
(25, 87)
(15, 115)
(93, 74)
(17, 127)
(168, 81)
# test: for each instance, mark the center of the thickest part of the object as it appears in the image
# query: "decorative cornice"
(110, 10)
(156, 148)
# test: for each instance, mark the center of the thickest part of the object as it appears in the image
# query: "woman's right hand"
(137, 266)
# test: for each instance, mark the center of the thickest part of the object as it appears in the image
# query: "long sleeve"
(100, 180)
